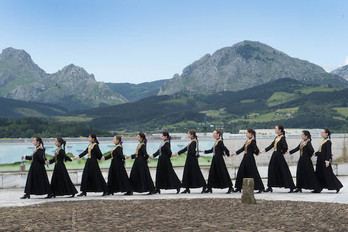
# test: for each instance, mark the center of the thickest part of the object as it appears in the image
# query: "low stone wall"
(18, 179)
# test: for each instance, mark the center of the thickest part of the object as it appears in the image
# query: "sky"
(138, 41)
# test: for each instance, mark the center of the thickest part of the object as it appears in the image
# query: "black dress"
(61, 183)
(248, 168)
(118, 180)
(279, 174)
(305, 175)
(218, 173)
(140, 176)
(92, 178)
(325, 175)
(192, 177)
(166, 177)
(37, 180)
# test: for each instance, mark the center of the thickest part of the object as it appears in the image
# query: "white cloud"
(346, 61)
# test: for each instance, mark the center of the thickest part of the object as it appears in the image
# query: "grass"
(318, 89)
(280, 97)
(29, 112)
(79, 164)
(342, 110)
(73, 118)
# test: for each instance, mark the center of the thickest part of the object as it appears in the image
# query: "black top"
(95, 152)
(60, 157)
(141, 152)
(306, 149)
(38, 155)
(191, 149)
(220, 149)
(281, 147)
(165, 150)
(326, 151)
(251, 148)
(116, 154)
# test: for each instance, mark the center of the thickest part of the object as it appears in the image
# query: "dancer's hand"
(327, 164)
(200, 150)
(287, 153)
(76, 157)
(262, 151)
(151, 156)
(102, 158)
(233, 154)
(23, 157)
(127, 156)
(175, 154)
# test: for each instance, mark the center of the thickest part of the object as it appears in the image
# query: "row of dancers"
(140, 180)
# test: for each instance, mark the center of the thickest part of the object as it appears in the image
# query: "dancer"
(61, 183)
(305, 175)
(192, 177)
(166, 177)
(37, 180)
(118, 180)
(92, 178)
(140, 176)
(279, 174)
(325, 175)
(218, 173)
(248, 168)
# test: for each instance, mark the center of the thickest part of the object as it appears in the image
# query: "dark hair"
(252, 131)
(193, 133)
(62, 142)
(119, 138)
(308, 134)
(40, 141)
(143, 136)
(94, 136)
(281, 128)
(165, 133)
(219, 132)
(327, 131)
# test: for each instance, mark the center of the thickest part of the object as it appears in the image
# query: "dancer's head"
(142, 138)
(117, 139)
(92, 138)
(217, 134)
(279, 129)
(326, 133)
(250, 133)
(192, 134)
(306, 135)
(60, 142)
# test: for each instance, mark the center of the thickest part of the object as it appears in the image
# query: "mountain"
(135, 92)
(244, 65)
(72, 87)
(341, 72)
(288, 101)
(11, 108)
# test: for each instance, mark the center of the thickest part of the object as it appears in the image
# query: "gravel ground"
(176, 215)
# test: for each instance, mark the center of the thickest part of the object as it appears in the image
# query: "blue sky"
(138, 41)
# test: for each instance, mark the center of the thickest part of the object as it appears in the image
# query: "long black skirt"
(118, 180)
(92, 178)
(325, 175)
(279, 174)
(218, 174)
(140, 176)
(305, 175)
(37, 180)
(166, 177)
(248, 169)
(61, 183)
(192, 177)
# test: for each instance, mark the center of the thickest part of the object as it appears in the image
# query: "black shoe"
(298, 190)
(337, 190)
(158, 191)
(204, 190)
(291, 190)
(208, 190)
(260, 191)
(72, 196)
(316, 191)
(151, 193)
(237, 190)
(269, 189)
(128, 193)
(26, 196)
(230, 190)
(177, 190)
(104, 194)
(82, 194)
(186, 191)
(50, 195)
